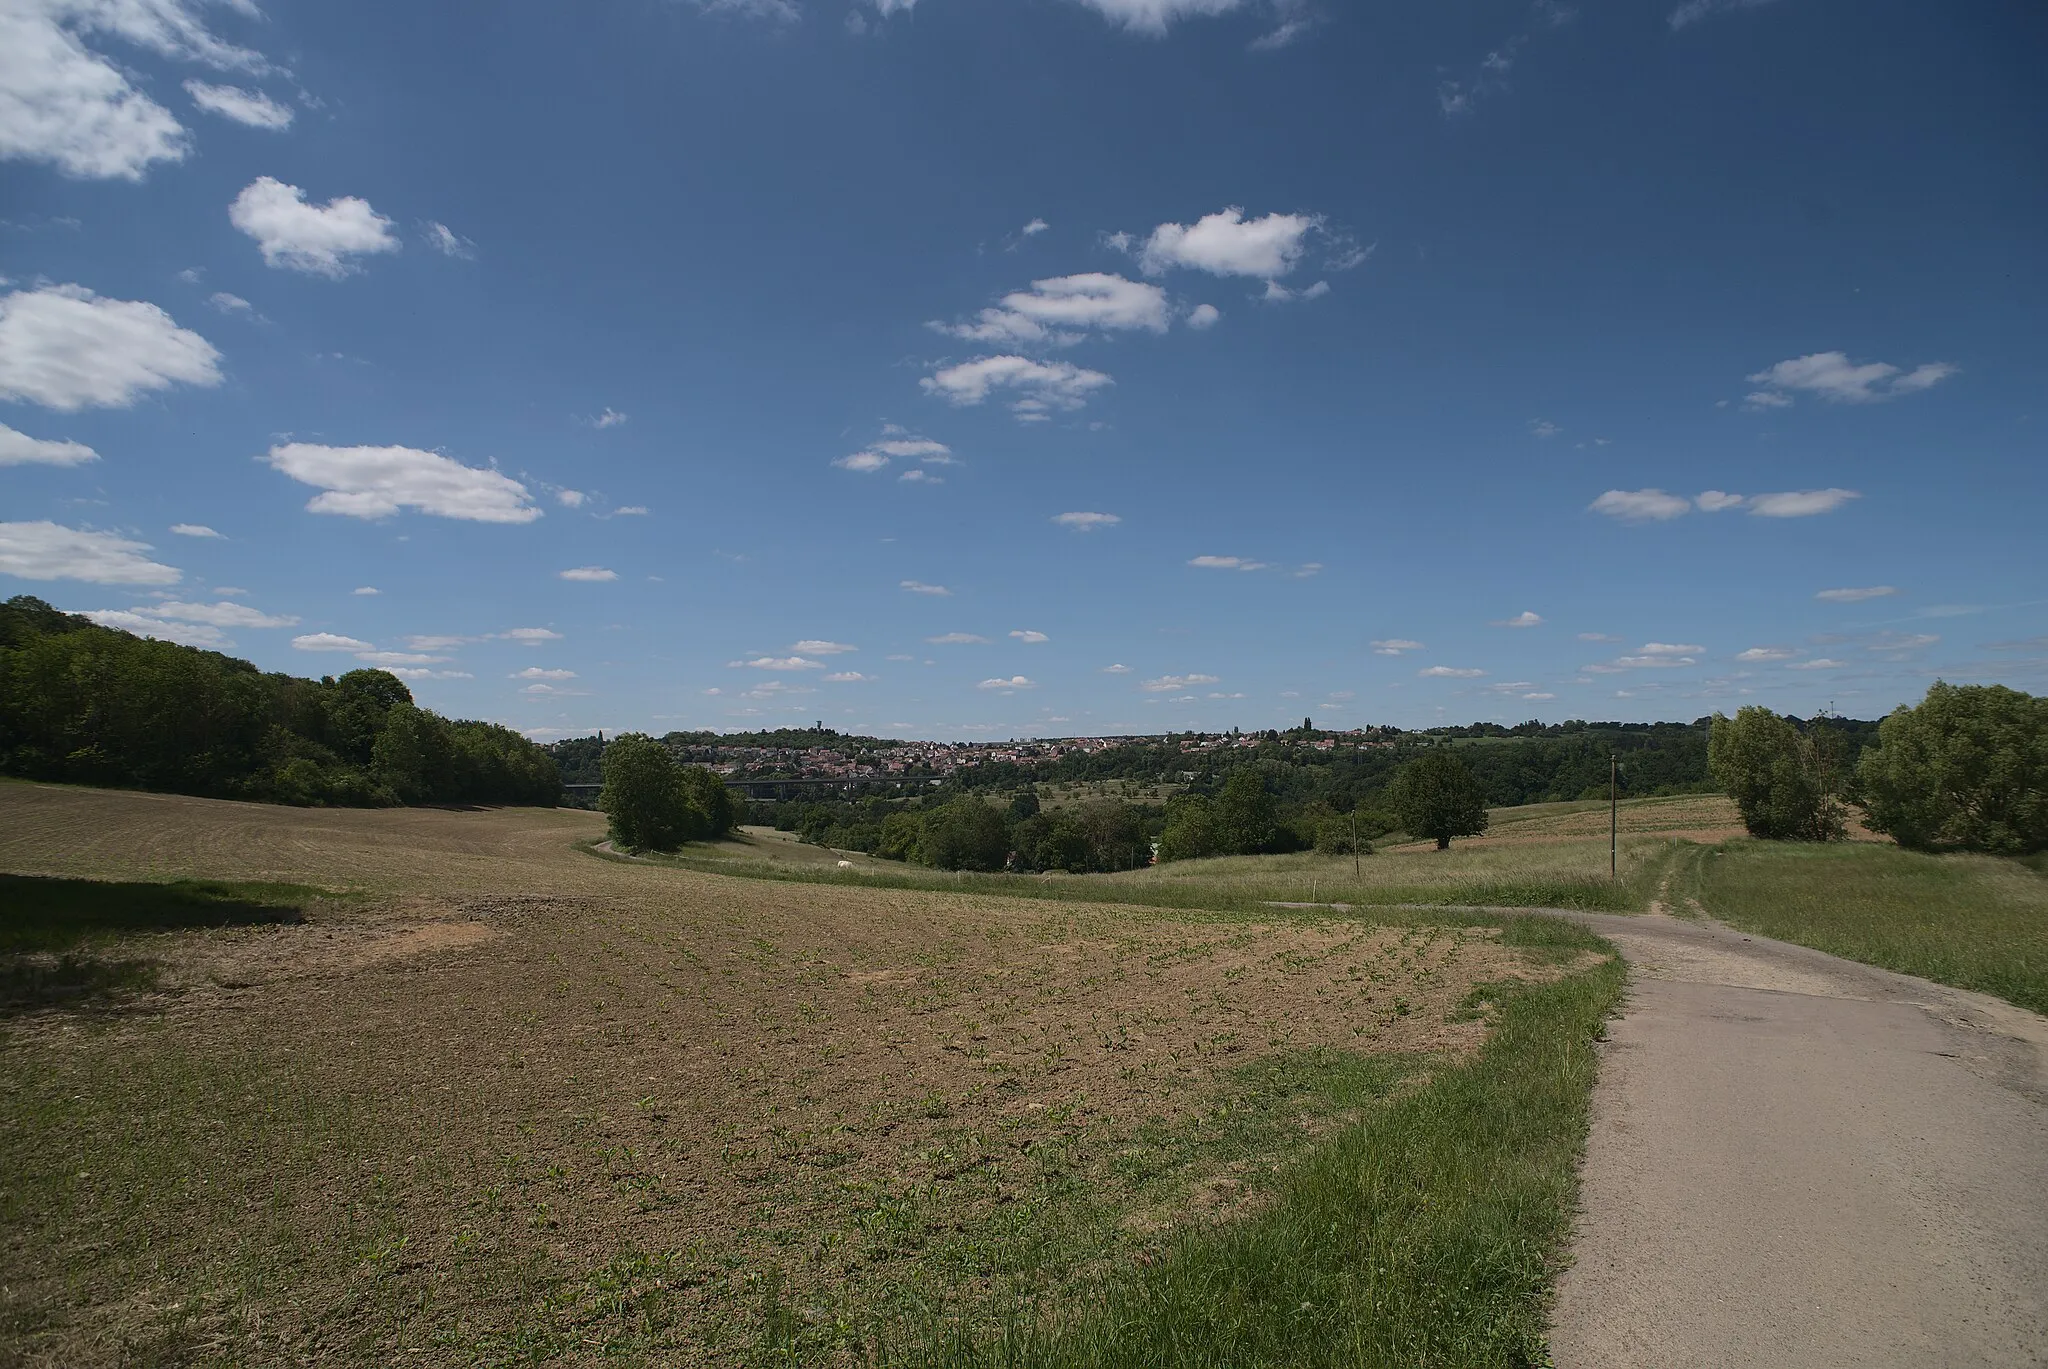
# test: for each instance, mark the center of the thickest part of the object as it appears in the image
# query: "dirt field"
(512, 1100)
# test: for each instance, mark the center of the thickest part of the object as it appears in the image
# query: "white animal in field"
(846, 865)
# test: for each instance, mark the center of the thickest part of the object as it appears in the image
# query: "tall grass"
(1425, 1235)
(1977, 922)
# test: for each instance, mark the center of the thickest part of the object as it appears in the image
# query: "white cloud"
(47, 551)
(373, 482)
(1204, 316)
(1446, 672)
(845, 677)
(1014, 682)
(1756, 401)
(1670, 649)
(1044, 385)
(194, 530)
(143, 623)
(250, 107)
(1832, 376)
(774, 11)
(1597, 637)
(1228, 244)
(534, 672)
(1034, 228)
(571, 499)
(1638, 506)
(1652, 660)
(1394, 646)
(630, 511)
(230, 304)
(865, 462)
(398, 658)
(1766, 653)
(1309, 570)
(447, 241)
(776, 663)
(1523, 619)
(811, 646)
(920, 476)
(365, 590)
(19, 449)
(1911, 641)
(219, 615)
(1855, 596)
(920, 587)
(1544, 428)
(1086, 522)
(923, 448)
(1800, 503)
(958, 639)
(1118, 669)
(315, 238)
(1714, 501)
(65, 104)
(1146, 16)
(525, 636)
(1029, 636)
(430, 643)
(1539, 696)
(1058, 311)
(610, 418)
(1276, 293)
(66, 348)
(1169, 684)
(1228, 563)
(589, 575)
(1819, 663)
(414, 673)
(329, 641)
(1692, 11)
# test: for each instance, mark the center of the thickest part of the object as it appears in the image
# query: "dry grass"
(516, 1102)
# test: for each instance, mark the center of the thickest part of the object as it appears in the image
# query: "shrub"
(1783, 781)
(1964, 770)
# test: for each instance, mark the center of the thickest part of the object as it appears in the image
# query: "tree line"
(85, 704)
(1965, 769)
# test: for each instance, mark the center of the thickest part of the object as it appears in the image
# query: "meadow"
(450, 1087)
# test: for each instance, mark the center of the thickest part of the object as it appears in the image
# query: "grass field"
(442, 1088)
(1977, 922)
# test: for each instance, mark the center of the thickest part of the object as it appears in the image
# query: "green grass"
(1977, 922)
(1425, 1234)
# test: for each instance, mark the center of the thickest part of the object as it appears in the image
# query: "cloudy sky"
(968, 368)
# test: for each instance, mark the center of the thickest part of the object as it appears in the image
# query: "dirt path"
(1801, 1161)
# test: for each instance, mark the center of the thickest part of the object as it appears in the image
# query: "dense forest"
(85, 704)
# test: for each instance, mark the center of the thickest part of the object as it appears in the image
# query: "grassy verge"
(1426, 1234)
(1977, 922)
(1219, 894)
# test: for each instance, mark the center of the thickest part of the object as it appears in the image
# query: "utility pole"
(1613, 816)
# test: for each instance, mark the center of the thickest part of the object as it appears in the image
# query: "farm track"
(1800, 1161)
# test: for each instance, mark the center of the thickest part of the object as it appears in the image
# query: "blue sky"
(971, 368)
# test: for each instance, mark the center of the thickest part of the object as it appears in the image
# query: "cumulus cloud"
(811, 646)
(1544, 428)
(19, 449)
(221, 614)
(319, 239)
(1086, 522)
(1204, 316)
(1446, 672)
(1060, 310)
(1856, 595)
(249, 107)
(449, 243)
(1043, 386)
(845, 677)
(571, 499)
(230, 304)
(143, 623)
(610, 418)
(1014, 682)
(525, 636)
(1800, 503)
(1394, 646)
(1716, 501)
(1118, 669)
(1034, 228)
(1228, 244)
(589, 575)
(398, 658)
(534, 672)
(958, 639)
(1523, 619)
(1670, 649)
(44, 550)
(1170, 684)
(1149, 16)
(1029, 636)
(68, 105)
(329, 641)
(366, 590)
(1818, 663)
(1833, 377)
(373, 482)
(1692, 11)
(1641, 506)
(920, 587)
(896, 444)
(65, 348)
(777, 663)
(1228, 563)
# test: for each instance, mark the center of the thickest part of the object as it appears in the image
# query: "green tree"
(901, 834)
(413, 755)
(1247, 816)
(1436, 796)
(1192, 831)
(718, 809)
(965, 834)
(1965, 769)
(645, 797)
(1783, 781)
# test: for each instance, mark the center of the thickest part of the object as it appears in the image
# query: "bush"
(1436, 796)
(1964, 770)
(1783, 781)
